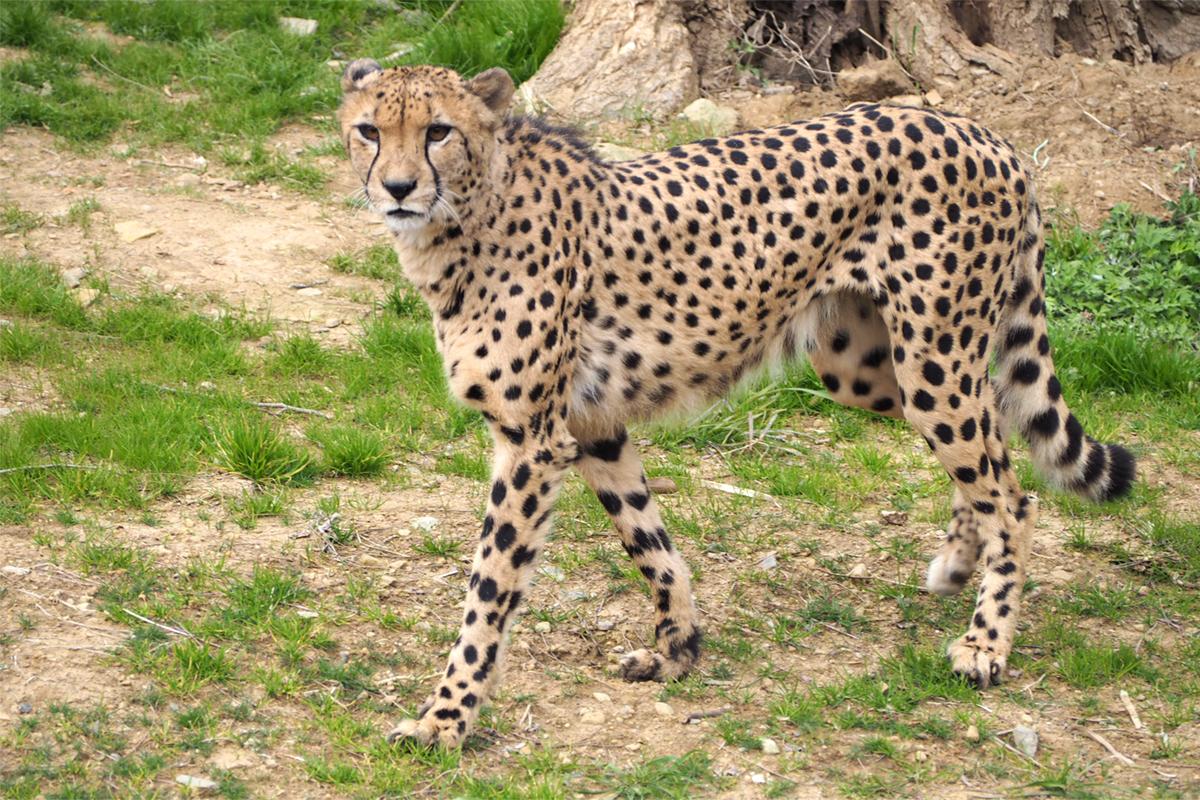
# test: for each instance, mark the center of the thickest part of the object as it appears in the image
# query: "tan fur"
(897, 248)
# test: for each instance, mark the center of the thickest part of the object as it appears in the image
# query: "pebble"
(921, 755)
(663, 709)
(4, 412)
(662, 485)
(425, 523)
(972, 734)
(602, 697)
(605, 625)
(770, 747)
(309, 291)
(187, 179)
(11, 569)
(768, 562)
(542, 627)
(553, 573)
(859, 570)
(24, 708)
(130, 231)
(298, 25)
(73, 277)
(196, 783)
(332, 323)
(592, 718)
(894, 517)
(1026, 740)
(758, 777)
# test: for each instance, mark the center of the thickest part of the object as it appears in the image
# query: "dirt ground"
(1111, 135)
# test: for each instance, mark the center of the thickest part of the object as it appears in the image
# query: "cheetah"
(899, 249)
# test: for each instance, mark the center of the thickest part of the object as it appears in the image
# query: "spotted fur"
(899, 249)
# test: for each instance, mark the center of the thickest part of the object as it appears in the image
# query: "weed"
(13, 219)
(254, 448)
(351, 451)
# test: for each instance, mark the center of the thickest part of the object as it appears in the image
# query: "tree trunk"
(654, 56)
(622, 56)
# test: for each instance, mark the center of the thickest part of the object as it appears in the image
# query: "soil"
(1113, 134)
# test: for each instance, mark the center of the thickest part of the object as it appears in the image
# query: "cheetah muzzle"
(898, 249)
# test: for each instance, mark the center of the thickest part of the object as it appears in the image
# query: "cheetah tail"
(1030, 396)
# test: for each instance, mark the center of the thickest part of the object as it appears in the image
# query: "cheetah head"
(421, 138)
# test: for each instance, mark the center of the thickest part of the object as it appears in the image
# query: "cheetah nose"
(399, 189)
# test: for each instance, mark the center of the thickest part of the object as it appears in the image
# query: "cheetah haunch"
(898, 249)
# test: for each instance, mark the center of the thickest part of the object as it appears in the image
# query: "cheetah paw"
(428, 731)
(650, 665)
(982, 666)
(946, 578)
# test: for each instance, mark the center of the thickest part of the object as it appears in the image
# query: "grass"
(236, 75)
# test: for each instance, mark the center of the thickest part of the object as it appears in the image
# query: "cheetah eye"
(437, 133)
(368, 132)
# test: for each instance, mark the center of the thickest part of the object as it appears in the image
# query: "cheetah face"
(421, 139)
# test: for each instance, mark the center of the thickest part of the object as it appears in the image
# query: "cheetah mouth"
(402, 213)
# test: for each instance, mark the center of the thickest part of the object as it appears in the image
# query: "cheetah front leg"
(612, 468)
(955, 562)
(525, 484)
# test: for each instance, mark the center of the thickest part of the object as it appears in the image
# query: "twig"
(890, 55)
(737, 490)
(167, 628)
(151, 163)
(1131, 710)
(696, 716)
(30, 467)
(1107, 745)
(1156, 192)
(1094, 119)
(453, 7)
(116, 74)
(293, 409)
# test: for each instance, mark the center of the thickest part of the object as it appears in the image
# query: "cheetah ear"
(359, 74)
(494, 88)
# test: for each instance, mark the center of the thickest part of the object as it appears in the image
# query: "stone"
(934, 98)
(914, 100)
(425, 523)
(616, 152)
(718, 120)
(196, 783)
(663, 709)
(768, 562)
(542, 627)
(309, 291)
(894, 517)
(187, 180)
(298, 25)
(972, 734)
(602, 697)
(24, 708)
(769, 746)
(132, 230)
(858, 571)
(4, 412)
(74, 276)
(87, 296)
(1026, 740)
(874, 80)
(230, 758)
(592, 718)
(605, 625)
(662, 485)
(13, 569)
(553, 573)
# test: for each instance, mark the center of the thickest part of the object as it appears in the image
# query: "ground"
(260, 623)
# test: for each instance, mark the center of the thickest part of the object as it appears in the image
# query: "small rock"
(934, 98)
(1088, 62)
(206, 386)
(4, 412)
(758, 777)
(592, 718)
(196, 783)
(662, 485)
(914, 100)
(309, 291)
(768, 562)
(553, 573)
(1026, 740)
(304, 613)
(921, 755)
(24, 708)
(86, 296)
(542, 627)
(719, 120)
(12, 569)
(332, 322)
(633, 747)
(972, 734)
(615, 152)
(132, 230)
(6, 323)
(894, 517)
(187, 180)
(605, 625)
(298, 25)
(874, 80)
(769, 747)
(335, 64)
(858, 571)
(74, 276)
(663, 709)
(602, 697)
(425, 523)
(1143, 591)
(228, 758)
